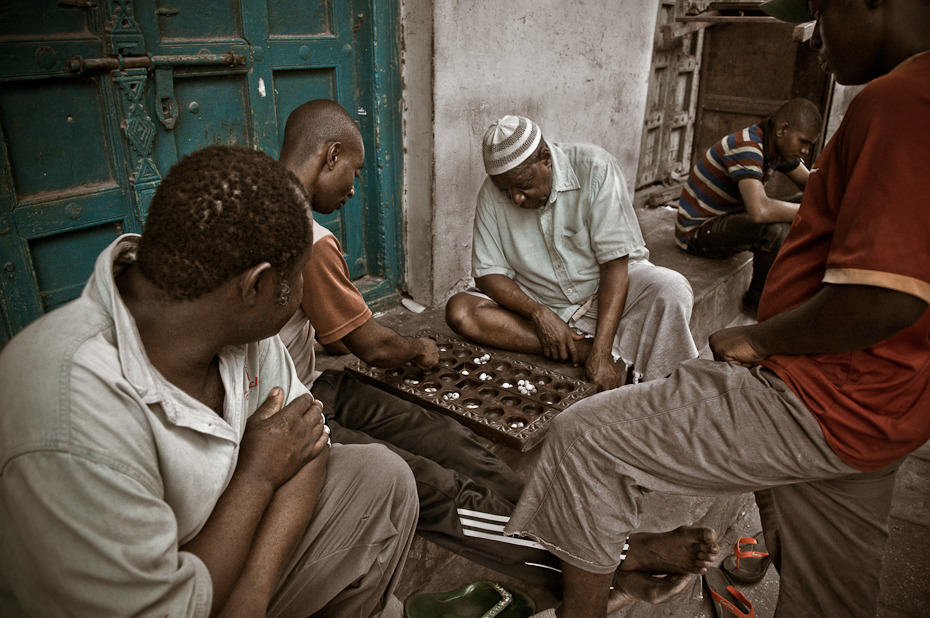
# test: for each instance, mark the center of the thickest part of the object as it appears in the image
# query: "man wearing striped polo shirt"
(724, 209)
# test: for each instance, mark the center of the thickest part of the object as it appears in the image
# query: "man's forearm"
(839, 318)
(284, 523)
(380, 346)
(506, 293)
(225, 540)
(611, 299)
(776, 211)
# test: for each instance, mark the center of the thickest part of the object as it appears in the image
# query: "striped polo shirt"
(713, 187)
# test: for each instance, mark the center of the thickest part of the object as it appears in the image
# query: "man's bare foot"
(632, 586)
(682, 550)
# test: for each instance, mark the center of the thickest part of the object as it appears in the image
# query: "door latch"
(164, 73)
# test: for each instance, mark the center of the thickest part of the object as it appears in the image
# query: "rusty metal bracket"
(82, 66)
(163, 66)
(164, 97)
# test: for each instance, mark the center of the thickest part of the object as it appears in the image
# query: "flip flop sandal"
(478, 600)
(728, 601)
(748, 566)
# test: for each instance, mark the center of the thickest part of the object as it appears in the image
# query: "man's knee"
(671, 288)
(460, 312)
(391, 468)
(376, 473)
(772, 236)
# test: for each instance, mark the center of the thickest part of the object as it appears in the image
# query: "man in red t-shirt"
(816, 405)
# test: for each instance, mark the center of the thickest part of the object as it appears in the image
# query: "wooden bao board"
(492, 407)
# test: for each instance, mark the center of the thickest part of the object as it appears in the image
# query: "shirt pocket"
(579, 242)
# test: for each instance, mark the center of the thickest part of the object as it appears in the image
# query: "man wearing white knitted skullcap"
(508, 143)
(561, 267)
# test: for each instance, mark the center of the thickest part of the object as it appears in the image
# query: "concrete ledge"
(718, 285)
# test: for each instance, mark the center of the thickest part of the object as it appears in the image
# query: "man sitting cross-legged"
(561, 266)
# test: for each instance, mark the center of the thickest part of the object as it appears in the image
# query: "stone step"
(718, 285)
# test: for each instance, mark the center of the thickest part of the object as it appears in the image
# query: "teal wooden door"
(98, 98)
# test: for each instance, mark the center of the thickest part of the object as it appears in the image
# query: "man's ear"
(251, 282)
(332, 152)
(781, 129)
(545, 155)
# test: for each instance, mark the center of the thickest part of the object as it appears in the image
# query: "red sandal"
(728, 601)
(748, 566)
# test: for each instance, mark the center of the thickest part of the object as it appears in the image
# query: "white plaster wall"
(417, 110)
(580, 69)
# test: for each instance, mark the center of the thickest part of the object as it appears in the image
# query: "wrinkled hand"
(603, 372)
(734, 346)
(278, 441)
(555, 336)
(428, 356)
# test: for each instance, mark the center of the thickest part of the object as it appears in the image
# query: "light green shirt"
(554, 252)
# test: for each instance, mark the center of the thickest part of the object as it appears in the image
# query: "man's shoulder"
(489, 195)
(320, 232)
(327, 253)
(584, 151)
(55, 338)
(751, 137)
(908, 83)
(62, 357)
(589, 163)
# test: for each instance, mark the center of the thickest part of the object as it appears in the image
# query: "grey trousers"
(713, 429)
(349, 561)
(654, 334)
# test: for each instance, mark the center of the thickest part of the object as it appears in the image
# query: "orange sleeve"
(335, 306)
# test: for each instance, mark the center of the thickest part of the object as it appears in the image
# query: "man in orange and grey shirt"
(459, 481)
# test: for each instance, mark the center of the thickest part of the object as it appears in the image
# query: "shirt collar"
(770, 160)
(133, 360)
(136, 366)
(563, 174)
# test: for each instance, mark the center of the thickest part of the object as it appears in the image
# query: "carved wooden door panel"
(668, 129)
(98, 98)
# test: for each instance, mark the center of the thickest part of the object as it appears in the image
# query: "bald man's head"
(323, 147)
(312, 127)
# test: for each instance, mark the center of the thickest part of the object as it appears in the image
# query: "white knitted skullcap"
(508, 142)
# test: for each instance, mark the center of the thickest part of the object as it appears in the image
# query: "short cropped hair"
(314, 124)
(219, 212)
(800, 114)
